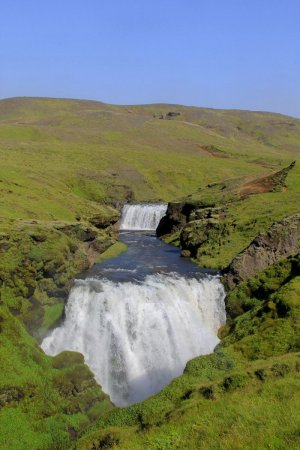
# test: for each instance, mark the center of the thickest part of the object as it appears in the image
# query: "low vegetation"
(44, 402)
(66, 168)
(244, 395)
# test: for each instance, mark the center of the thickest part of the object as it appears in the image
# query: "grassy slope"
(80, 156)
(112, 252)
(246, 218)
(43, 400)
(66, 160)
(77, 154)
(243, 396)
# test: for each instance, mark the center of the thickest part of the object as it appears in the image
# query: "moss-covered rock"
(254, 372)
(47, 401)
(281, 240)
(38, 263)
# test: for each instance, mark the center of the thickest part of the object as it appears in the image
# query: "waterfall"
(137, 336)
(142, 216)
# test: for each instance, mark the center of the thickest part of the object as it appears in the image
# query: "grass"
(112, 252)
(243, 396)
(77, 154)
(52, 315)
(235, 410)
(38, 261)
(39, 406)
(244, 219)
(67, 165)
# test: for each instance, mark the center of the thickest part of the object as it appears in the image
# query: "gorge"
(67, 168)
(138, 318)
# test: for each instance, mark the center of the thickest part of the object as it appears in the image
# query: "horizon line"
(149, 104)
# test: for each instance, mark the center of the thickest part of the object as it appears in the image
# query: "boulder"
(280, 241)
(102, 222)
(172, 114)
(175, 219)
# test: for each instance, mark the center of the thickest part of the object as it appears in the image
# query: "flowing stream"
(139, 318)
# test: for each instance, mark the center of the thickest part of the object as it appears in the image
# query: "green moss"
(191, 415)
(78, 154)
(265, 312)
(254, 372)
(79, 159)
(42, 399)
(112, 252)
(52, 314)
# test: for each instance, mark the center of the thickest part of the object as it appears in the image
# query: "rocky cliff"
(196, 224)
(280, 241)
(204, 230)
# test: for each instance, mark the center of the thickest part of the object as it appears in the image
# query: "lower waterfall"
(138, 335)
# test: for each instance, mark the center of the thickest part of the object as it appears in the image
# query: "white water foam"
(142, 216)
(136, 337)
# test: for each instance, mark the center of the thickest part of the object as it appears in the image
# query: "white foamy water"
(137, 336)
(142, 216)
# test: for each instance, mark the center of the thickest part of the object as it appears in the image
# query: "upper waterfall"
(142, 216)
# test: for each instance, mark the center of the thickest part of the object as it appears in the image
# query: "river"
(138, 318)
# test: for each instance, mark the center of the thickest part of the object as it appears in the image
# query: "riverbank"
(140, 317)
(67, 167)
(254, 371)
(252, 375)
(38, 263)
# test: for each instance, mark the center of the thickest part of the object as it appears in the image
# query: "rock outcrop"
(178, 215)
(172, 114)
(197, 224)
(49, 254)
(101, 221)
(280, 241)
(205, 224)
(175, 218)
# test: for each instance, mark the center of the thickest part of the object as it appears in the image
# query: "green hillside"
(61, 158)
(66, 169)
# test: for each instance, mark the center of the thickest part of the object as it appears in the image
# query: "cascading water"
(142, 216)
(136, 337)
(140, 317)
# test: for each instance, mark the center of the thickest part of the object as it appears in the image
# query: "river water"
(138, 318)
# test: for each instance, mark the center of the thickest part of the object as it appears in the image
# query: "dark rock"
(207, 213)
(176, 217)
(197, 223)
(280, 177)
(208, 392)
(171, 114)
(197, 232)
(10, 395)
(80, 231)
(4, 246)
(280, 241)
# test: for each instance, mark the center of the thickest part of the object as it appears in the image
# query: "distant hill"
(59, 157)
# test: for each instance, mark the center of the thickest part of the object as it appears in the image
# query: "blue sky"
(220, 53)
